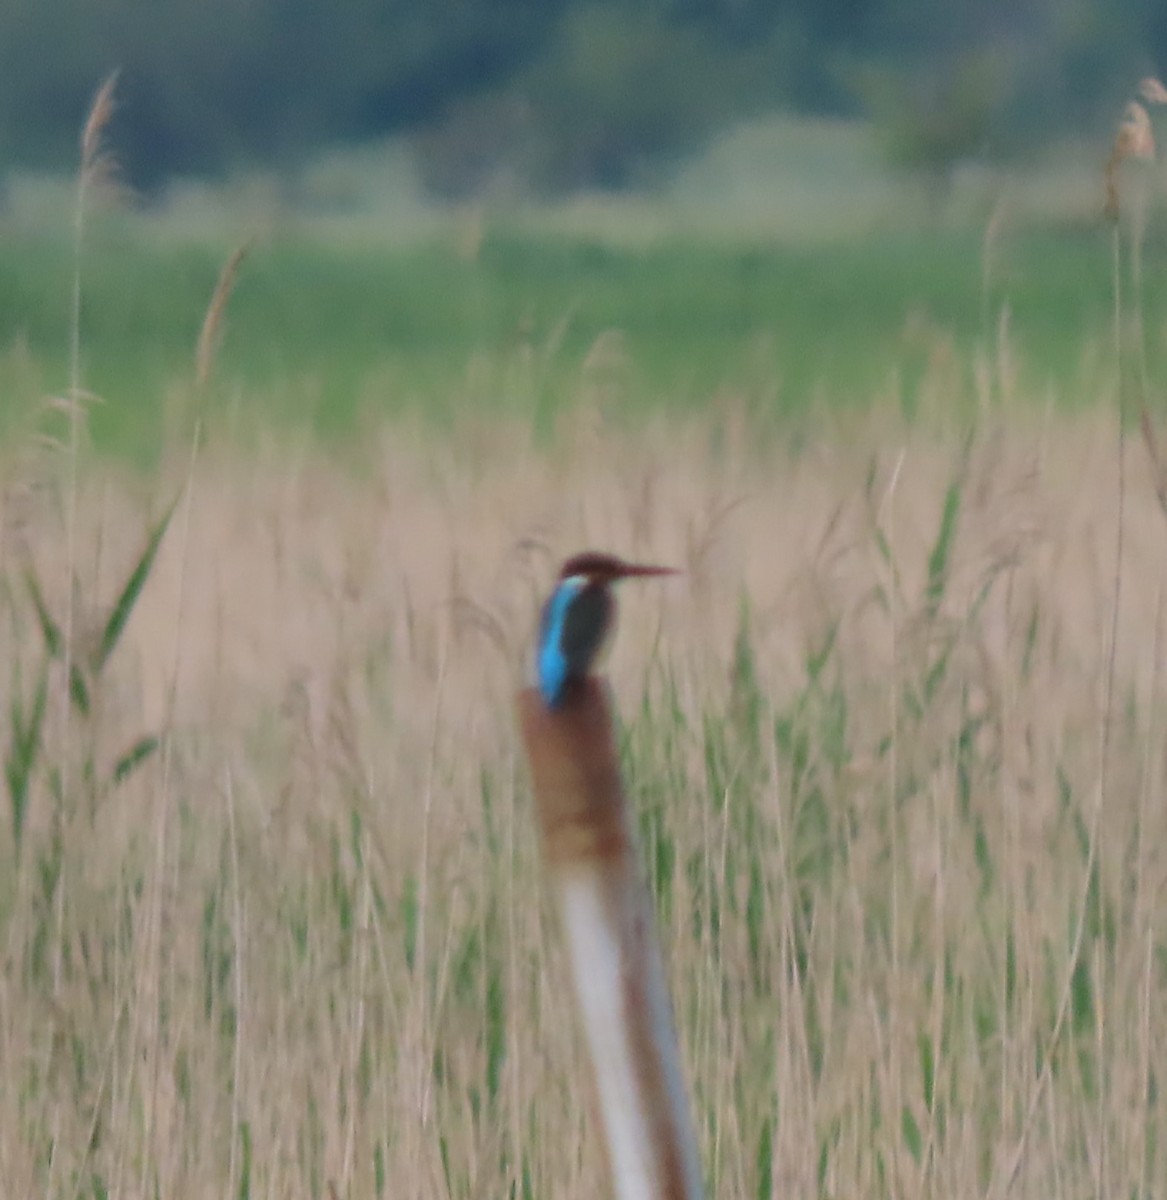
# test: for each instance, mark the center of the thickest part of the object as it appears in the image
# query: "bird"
(577, 617)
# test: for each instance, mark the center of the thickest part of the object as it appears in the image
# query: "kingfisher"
(578, 616)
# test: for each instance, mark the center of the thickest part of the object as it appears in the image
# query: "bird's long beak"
(636, 570)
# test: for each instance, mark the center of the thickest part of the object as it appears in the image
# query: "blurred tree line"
(555, 94)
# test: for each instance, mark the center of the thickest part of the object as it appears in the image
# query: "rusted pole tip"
(575, 773)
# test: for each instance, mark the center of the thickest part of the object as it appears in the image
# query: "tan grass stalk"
(94, 159)
(1133, 140)
(1152, 91)
(95, 165)
(210, 335)
(240, 988)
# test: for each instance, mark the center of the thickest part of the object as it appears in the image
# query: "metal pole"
(589, 850)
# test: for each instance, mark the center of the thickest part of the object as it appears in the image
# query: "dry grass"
(306, 950)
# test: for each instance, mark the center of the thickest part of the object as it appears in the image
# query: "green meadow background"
(328, 333)
(821, 280)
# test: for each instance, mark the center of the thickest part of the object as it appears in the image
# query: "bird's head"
(578, 616)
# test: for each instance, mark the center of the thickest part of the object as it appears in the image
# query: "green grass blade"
(55, 643)
(79, 690)
(120, 613)
(818, 659)
(50, 630)
(496, 1029)
(765, 1161)
(938, 559)
(134, 757)
(913, 1139)
(24, 745)
(244, 1192)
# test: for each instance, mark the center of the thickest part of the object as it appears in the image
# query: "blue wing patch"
(552, 663)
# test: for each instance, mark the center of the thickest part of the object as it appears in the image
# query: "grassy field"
(331, 335)
(905, 836)
(785, 266)
(272, 920)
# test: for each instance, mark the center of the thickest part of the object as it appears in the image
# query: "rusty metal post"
(590, 853)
